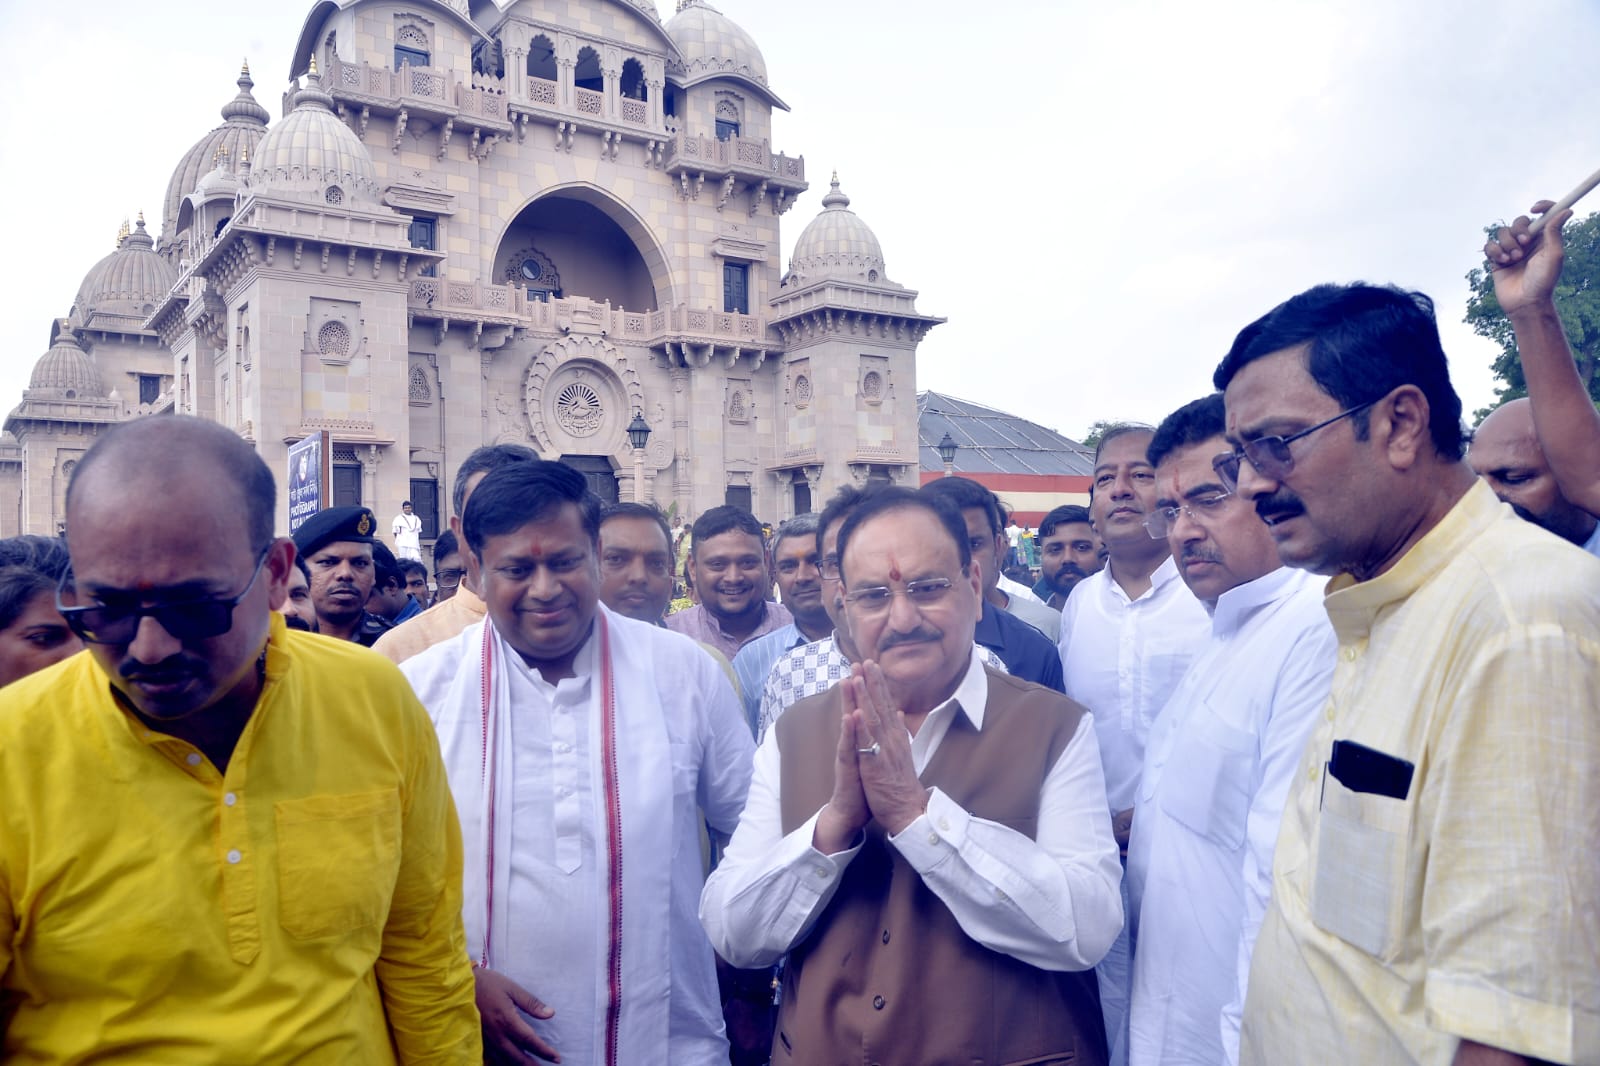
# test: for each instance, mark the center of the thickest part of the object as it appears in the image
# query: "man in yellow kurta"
(220, 841)
(1434, 883)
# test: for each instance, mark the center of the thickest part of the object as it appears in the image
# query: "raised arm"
(1527, 267)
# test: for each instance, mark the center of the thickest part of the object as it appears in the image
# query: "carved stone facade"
(488, 224)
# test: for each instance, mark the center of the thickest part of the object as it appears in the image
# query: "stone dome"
(129, 282)
(311, 155)
(244, 124)
(711, 43)
(837, 244)
(67, 368)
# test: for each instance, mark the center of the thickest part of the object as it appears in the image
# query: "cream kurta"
(1467, 909)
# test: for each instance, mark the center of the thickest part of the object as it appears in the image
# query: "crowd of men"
(1291, 755)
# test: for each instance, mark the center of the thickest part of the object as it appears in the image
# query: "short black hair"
(385, 568)
(724, 519)
(1065, 515)
(847, 499)
(897, 498)
(19, 587)
(411, 566)
(513, 495)
(638, 510)
(1363, 342)
(235, 459)
(482, 461)
(1115, 430)
(445, 545)
(964, 493)
(1194, 423)
(407, 503)
(304, 568)
(47, 555)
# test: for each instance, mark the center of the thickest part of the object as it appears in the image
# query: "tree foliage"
(1577, 298)
(1096, 430)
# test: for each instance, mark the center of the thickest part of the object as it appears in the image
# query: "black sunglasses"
(1270, 455)
(185, 620)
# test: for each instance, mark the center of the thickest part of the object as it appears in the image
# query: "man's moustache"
(1279, 505)
(916, 636)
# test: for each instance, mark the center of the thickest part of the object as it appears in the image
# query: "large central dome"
(312, 155)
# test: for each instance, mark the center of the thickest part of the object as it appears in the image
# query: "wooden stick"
(1584, 188)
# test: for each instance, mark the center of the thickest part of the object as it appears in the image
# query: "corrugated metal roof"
(993, 442)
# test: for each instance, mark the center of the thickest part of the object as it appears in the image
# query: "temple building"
(476, 224)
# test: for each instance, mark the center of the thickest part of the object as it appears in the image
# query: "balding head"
(1506, 453)
(169, 522)
(152, 455)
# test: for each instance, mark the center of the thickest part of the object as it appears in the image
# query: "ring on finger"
(876, 747)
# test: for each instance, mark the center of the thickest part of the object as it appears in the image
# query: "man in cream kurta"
(579, 743)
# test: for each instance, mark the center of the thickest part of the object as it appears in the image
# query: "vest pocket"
(338, 857)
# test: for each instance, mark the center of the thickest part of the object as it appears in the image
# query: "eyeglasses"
(876, 599)
(830, 568)
(447, 579)
(1270, 455)
(185, 620)
(1160, 522)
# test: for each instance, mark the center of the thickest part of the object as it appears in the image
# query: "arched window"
(633, 86)
(411, 46)
(727, 119)
(587, 74)
(542, 58)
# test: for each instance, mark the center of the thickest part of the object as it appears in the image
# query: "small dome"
(129, 282)
(837, 244)
(67, 368)
(712, 43)
(312, 155)
(245, 123)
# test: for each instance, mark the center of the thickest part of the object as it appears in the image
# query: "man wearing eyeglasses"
(927, 840)
(220, 841)
(1434, 882)
(1220, 755)
(458, 604)
(1128, 634)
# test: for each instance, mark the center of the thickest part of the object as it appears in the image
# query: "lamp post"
(947, 452)
(638, 436)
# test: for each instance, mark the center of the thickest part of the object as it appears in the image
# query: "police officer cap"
(333, 524)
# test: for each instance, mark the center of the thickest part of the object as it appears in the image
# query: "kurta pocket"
(338, 857)
(1360, 868)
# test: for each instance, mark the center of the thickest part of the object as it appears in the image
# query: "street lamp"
(638, 437)
(947, 452)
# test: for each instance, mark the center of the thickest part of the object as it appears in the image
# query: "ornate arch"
(627, 219)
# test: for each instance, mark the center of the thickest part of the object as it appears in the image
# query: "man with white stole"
(579, 743)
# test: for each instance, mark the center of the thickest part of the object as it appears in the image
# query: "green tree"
(1096, 430)
(1577, 298)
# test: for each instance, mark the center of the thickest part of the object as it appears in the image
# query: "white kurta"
(1217, 769)
(681, 742)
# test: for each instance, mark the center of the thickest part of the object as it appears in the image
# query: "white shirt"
(1592, 545)
(407, 532)
(1220, 759)
(551, 931)
(1016, 589)
(1053, 902)
(1122, 658)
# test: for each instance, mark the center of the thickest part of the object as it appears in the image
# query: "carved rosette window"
(802, 391)
(333, 340)
(578, 410)
(334, 195)
(421, 392)
(872, 385)
(736, 408)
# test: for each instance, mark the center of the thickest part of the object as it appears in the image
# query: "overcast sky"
(1097, 196)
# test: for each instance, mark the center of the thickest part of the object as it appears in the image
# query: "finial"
(141, 220)
(244, 154)
(122, 232)
(833, 197)
(835, 182)
(244, 68)
(313, 66)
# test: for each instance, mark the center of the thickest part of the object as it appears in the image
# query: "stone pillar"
(682, 480)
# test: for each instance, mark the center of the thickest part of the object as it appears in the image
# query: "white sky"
(1098, 196)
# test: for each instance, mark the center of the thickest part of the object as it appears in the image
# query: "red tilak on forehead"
(894, 569)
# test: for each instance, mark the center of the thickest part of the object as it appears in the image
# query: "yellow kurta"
(303, 906)
(1466, 910)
